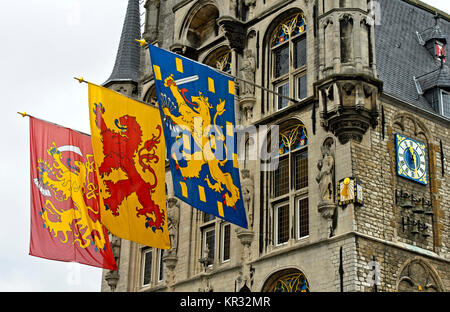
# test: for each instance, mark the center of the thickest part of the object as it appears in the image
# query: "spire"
(126, 68)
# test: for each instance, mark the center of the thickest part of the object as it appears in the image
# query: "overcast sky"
(44, 43)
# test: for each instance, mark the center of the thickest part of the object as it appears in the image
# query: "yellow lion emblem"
(197, 120)
(75, 186)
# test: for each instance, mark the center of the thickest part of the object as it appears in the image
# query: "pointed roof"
(400, 56)
(439, 78)
(434, 32)
(126, 68)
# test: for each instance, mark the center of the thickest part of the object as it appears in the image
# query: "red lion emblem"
(120, 148)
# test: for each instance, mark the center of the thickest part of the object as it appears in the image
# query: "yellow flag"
(128, 146)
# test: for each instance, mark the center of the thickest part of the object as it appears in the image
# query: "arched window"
(288, 59)
(150, 96)
(289, 280)
(202, 25)
(418, 276)
(220, 59)
(289, 190)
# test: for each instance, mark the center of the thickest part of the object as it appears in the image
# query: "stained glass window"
(295, 282)
(289, 57)
(290, 180)
(292, 138)
(223, 62)
(291, 27)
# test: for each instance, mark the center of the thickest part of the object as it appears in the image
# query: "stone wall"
(394, 268)
(374, 163)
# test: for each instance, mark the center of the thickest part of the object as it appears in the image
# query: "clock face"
(411, 159)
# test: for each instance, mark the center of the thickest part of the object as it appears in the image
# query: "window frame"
(441, 102)
(293, 74)
(298, 219)
(438, 47)
(222, 243)
(160, 265)
(204, 230)
(277, 223)
(144, 252)
(295, 192)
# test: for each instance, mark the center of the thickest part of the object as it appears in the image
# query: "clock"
(411, 159)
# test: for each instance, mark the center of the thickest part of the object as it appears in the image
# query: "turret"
(125, 75)
(348, 87)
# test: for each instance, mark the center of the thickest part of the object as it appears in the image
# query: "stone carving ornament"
(247, 194)
(325, 176)
(247, 70)
(417, 277)
(173, 219)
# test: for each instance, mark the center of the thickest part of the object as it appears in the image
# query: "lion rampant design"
(71, 185)
(189, 119)
(120, 148)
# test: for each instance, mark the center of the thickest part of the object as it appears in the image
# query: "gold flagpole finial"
(142, 42)
(24, 114)
(80, 80)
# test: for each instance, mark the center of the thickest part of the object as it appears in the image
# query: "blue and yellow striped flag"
(197, 108)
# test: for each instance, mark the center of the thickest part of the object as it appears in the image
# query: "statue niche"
(326, 181)
(325, 177)
(247, 194)
(173, 219)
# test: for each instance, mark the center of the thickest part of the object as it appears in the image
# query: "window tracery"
(288, 57)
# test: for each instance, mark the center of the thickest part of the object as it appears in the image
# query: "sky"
(44, 44)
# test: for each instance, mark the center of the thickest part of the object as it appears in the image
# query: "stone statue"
(173, 219)
(247, 194)
(248, 68)
(325, 176)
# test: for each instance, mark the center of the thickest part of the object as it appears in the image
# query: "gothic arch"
(150, 95)
(286, 280)
(419, 128)
(219, 54)
(278, 19)
(282, 124)
(200, 23)
(417, 274)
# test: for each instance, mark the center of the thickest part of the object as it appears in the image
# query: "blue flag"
(197, 109)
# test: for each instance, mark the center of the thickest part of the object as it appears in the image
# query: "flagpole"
(144, 43)
(81, 80)
(25, 114)
(263, 88)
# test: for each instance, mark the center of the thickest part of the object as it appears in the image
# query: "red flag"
(65, 214)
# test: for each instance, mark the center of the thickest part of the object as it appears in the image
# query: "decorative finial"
(142, 42)
(24, 114)
(80, 80)
(436, 18)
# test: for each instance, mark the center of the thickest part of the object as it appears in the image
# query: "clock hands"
(413, 158)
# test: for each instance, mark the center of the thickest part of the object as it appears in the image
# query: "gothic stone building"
(360, 200)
